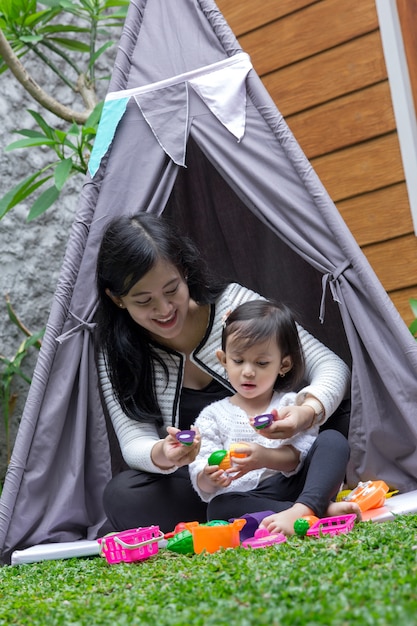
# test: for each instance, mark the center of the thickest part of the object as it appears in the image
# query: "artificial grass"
(365, 577)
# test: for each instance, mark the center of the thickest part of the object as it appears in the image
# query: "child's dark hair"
(130, 248)
(259, 320)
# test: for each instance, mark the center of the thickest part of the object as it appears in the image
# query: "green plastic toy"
(301, 526)
(217, 457)
(181, 543)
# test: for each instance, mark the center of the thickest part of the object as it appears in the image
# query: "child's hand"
(217, 476)
(253, 459)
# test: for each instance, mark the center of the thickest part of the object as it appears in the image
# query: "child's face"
(253, 371)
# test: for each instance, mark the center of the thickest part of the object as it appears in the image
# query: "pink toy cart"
(332, 525)
(136, 544)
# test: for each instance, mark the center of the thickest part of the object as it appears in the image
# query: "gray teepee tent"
(189, 131)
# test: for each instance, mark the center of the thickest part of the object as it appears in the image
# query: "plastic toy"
(130, 545)
(368, 495)
(301, 526)
(208, 538)
(252, 523)
(179, 528)
(262, 539)
(332, 525)
(181, 543)
(220, 458)
(181, 539)
(186, 437)
(224, 458)
(263, 421)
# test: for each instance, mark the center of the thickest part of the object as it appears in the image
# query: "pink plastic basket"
(332, 525)
(136, 544)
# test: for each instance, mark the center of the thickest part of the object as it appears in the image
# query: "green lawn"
(368, 576)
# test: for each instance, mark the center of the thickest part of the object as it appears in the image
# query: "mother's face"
(158, 302)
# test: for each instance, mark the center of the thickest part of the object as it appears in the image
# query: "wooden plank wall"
(322, 62)
(407, 12)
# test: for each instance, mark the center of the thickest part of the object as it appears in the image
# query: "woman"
(159, 325)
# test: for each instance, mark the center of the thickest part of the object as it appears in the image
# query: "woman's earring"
(282, 375)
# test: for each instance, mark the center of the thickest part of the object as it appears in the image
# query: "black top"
(192, 401)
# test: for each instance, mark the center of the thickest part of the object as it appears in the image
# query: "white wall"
(401, 93)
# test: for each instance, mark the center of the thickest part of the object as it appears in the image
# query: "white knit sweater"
(327, 374)
(223, 423)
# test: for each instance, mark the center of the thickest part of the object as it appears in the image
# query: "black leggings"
(315, 485)
(133, 499)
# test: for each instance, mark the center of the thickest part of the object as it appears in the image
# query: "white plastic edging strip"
(401, 94)
(52, 551)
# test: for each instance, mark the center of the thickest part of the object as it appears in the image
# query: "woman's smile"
(167, 322)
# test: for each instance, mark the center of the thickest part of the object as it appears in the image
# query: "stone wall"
(31, 253)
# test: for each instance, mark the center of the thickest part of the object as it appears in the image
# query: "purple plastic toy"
(186, 437)
(263, 421)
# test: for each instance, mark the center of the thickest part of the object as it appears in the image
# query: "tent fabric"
(164, 105)
(260, 216)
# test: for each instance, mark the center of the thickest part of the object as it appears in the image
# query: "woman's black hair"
(259, 320)
(130, 248)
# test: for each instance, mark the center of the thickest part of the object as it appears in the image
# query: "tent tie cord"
(82, 325)
(330, 279)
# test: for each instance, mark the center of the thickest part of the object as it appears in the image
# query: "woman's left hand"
(288, 421)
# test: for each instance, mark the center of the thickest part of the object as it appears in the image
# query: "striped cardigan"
(327, 374)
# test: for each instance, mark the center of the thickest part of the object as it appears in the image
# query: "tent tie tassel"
(82, 325)
(330, 279)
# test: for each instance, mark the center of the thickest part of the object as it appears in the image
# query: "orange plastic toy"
(224, 458)
(212, 538)
(368, 495)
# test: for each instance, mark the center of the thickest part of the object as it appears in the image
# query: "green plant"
(72, 149)
(67, 37)
(413, 325)
(13, 367)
